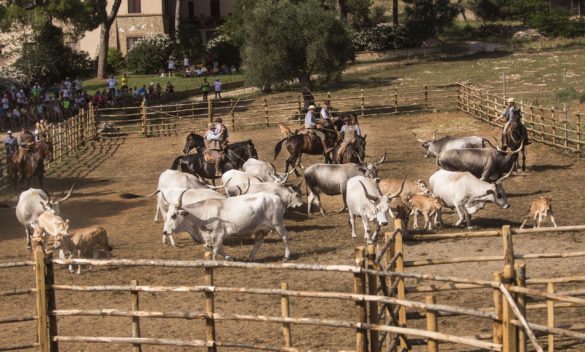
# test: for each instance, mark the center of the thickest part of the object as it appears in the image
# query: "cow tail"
(278, 147)
(176, 162)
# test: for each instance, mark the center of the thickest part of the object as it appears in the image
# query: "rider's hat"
(510, 100)
(9, 132)
(311, 107)
(210, 125)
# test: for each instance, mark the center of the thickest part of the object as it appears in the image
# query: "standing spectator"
(20, 98)
(78, 85)
(217, 88)
(16, 118)
(158, 91)
(171, 66)
(124, 81)
(205, 87)
(56, 90)
(67, 83)
(170, 89)
(4, 108)
(10, 146)
(36, 91)
(112, 82)
(186, 63)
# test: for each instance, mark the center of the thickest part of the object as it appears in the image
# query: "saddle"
(212, 156)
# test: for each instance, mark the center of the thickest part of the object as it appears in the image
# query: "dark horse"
(304, 143)
(196, 141)
(515, 137)
(34, 164)
(235, 155)
(354, 153)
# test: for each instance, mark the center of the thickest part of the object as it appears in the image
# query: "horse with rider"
(514, 134)
(25, 157)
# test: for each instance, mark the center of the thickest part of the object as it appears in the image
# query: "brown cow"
(284, 130)
(541, 207)
(427, 205)
(84, 243)
(411, 187)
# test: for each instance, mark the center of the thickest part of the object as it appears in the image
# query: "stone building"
(139, 18)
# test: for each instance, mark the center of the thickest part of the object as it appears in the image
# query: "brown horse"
(515, 137)
(34, 164)
(305, 143)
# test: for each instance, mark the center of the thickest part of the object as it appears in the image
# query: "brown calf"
(284, 130)
(84, 243)
(540, 208)
(427, 205)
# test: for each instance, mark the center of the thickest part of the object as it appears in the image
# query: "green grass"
(180, 83)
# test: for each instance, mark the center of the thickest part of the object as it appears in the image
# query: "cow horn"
(519, 148)
(247, 188)
(286, 176)
(220, 186)
(418, 139)
(506, 175)
(273, 167)
(358, 156)
(397, 193)
(369, 196)
(180, 203)
(44, 205)
(164, 199)
(490, 143)
(66, 196)
(381, 160)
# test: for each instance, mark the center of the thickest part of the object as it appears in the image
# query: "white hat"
(510, 100)
(9, 132)
(311, 106)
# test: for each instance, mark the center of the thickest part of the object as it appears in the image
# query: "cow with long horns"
(434, 147)
(331, 179)
(365, 200)
(31, 204)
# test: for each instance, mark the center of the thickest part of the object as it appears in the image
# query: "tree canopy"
(286, 40)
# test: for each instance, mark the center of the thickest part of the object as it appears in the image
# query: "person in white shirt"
(186, 62)
(217, 88)
(112, 82)
(171, 66)
(67, 83)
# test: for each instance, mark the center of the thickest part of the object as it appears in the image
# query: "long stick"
(520, 317)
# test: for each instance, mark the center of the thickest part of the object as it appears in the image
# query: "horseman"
(512, 115)
(222, 131)
(213, 146)
(26, 142)
(312, 127)
(10, 146)
(348, 134)
(326, 118)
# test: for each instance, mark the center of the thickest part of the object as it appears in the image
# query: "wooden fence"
(384, 319)
(156, 120)
(557, 127)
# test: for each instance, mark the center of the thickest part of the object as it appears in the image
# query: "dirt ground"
(133, 165)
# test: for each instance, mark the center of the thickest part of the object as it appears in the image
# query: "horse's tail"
(176, 162)
(278, 147)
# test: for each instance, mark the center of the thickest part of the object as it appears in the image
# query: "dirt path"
(134, 164)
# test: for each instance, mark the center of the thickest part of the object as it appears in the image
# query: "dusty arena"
(113, 166)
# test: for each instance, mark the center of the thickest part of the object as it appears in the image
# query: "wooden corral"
(385, 318)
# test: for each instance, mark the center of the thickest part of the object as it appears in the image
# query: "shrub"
(557, 24)
(10, 76)
(150, 54)
(381, 37)
(225, 49)
(115, 60)
(566, 94)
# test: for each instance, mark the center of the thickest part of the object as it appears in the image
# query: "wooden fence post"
(144, 118)
(509, 330)
(497, 333)
(554, 126)
(361, 312)
(266, 111)
(400, 288)
(232, 107)
(210, 110)
(373, 291)
(550, 316)
(566, 134)
(82, 124)
(426, 94)
(285, 310)
(508, 246)
(209, 306)
(520, 273)
(60, 144)
(579, 132)
(363, 101)
(41, 298)
(135, 302)
(432, 345)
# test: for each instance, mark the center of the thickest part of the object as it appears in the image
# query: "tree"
(108, 20)
(283, 41)
(427, 18)
(178, 4)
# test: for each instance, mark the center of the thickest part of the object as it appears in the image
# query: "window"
(134, 6)
(214, 6)
(191, 6)
(131, 41)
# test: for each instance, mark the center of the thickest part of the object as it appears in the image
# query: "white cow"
(265, 171)
(52, 224)
(31, 204)
(365, 200)
(466, 193)
(214, 220)
(237, 178)
(189, 196)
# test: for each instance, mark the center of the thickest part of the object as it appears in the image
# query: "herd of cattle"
(254, 199)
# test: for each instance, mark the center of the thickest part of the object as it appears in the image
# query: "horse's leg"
(523, 159)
